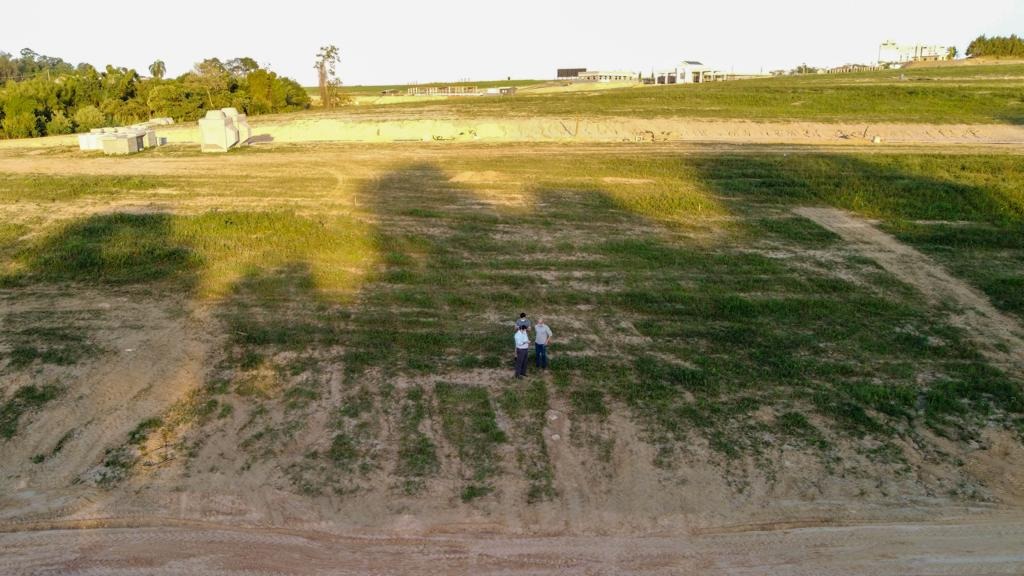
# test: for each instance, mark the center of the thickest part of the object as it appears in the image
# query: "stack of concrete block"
(218, 132)
(223, 129)
(124, 139)
(241, 124)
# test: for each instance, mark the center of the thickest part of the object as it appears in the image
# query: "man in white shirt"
(542, 337)
(522, 349)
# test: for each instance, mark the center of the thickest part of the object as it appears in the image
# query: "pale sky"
(399, 41)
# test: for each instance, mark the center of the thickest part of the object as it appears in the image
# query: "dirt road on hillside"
(990, 546)
(999, 336)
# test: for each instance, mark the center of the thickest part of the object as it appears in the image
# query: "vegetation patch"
(469, 423)
(22, 402)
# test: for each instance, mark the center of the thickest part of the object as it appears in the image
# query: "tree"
(805, 69)
(326, 61)
(157, 69)
(89, 117)
(951, 54)
(214, 78)
(45, 95)
(241, 67)
(20, 120)
(58, 124)
(1011, 45)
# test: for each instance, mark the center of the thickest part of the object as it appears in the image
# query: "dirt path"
(999, 336)
(991, 546)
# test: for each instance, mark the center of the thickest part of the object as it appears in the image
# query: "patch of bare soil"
(342, 128)
(973, 545)
(150, 355)
(999, 336)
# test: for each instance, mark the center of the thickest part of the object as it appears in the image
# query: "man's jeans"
(542, 355)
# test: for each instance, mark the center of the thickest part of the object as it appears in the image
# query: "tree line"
(43, 95)
(1011, 45)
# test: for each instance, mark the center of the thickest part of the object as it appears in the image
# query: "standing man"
(523, 321)
(542, 337)
(522, 349)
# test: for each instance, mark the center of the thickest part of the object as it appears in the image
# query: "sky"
(399, 41)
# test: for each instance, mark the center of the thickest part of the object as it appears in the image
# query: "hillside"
(296, 334)
(945, 95)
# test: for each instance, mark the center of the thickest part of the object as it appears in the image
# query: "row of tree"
(43, 95)
(1011, 45)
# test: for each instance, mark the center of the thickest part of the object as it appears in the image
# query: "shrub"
(89, 117)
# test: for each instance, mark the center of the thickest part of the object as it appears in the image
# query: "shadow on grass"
(114, 249)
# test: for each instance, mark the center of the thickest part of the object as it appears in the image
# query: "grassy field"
(376, 90)
(943, 95)
(683, 292)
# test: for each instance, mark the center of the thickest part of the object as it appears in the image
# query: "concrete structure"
(217, 132)
(608, 76)
(444, 91)
(848, 68)
(123, 139)
(241, 123)
(687, 72)
(891, 53)
(569, 73)
(221, 130)
(459, 91)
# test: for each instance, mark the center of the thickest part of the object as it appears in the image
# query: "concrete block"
(119, 144)
(217, 131)
(151, 140)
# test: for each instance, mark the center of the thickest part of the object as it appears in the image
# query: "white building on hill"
(608, 76)
(890, 53)
(687, 72)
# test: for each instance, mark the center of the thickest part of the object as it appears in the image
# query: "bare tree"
(326, 61)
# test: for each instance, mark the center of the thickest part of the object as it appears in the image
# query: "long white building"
(890, 53)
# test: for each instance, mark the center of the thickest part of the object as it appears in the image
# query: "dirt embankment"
(590, 130)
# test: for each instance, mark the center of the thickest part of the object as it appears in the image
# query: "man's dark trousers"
(521, 361)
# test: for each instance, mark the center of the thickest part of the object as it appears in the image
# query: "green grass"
(375, 90)
(978, 94)
(417, 453)
(42, 188)
(684, 293)
(468, 422)
(21, 402)
(54, 338)
(207, 253)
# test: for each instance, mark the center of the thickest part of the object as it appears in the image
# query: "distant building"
(502, 91)
(444, 91)
(687, 72)
(569, 73)
(890, 53)
(608, 76)
(847, 68)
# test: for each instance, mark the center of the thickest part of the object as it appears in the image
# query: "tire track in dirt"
(999, 336)
(973, 545)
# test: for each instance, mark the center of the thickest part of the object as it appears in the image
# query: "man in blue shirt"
(522, 349)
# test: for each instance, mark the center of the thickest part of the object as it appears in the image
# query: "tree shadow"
(113, 249)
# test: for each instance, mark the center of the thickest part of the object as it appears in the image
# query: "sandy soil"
(342, 128)
(990, 545)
